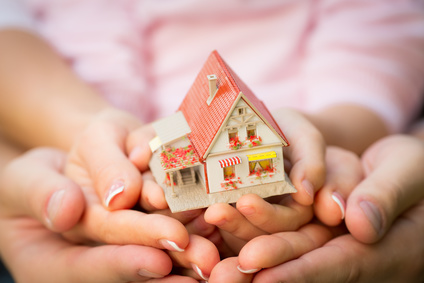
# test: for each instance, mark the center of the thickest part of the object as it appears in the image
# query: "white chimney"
(212, 87)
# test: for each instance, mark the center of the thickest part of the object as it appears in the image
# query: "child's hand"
(344, 173)
(254, 216)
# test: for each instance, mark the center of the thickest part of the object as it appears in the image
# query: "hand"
(397, 257)
(98, 163)
(98, 159)
(393, 183)
(252, 216)
(33, 187)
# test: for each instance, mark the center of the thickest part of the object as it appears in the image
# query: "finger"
(271, 250)
(48, 258)
(100, 157)
(344, 259)
(344, 172)
(232, 221)
(199, 226)
(152, 195)
(184, 216)
(226, 271)
(306, 154)
(33, 185)
(200, 255)
(223, 247)
(326, 264)
(393, 183)
(138, 146)
(273, 218)
(130, 227)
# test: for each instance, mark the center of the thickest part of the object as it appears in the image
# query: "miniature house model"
(221, 144)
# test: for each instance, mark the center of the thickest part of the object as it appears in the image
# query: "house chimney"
(212, 86)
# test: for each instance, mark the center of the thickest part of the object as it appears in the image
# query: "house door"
(186, 177)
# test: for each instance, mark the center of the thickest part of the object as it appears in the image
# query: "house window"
(229, 172)
(251, 131)
(232, 134)
(260, 166)
(241, 111)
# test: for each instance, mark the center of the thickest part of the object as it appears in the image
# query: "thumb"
(33, 185)
(393, 183)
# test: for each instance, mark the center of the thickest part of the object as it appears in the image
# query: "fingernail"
(170, 245)
(54, 205)
(340, 202)
(199, 272)
(146, 273)
(309, 189)
(117, 188)
(248, 271)
(247, 210)
(373, 215)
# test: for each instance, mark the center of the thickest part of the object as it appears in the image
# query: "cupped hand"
(33, 192)
(253, 216)
(35, 199)
(397, 257)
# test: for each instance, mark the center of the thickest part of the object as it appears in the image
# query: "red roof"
(205, 120)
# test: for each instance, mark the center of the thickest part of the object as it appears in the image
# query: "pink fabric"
(308, 54)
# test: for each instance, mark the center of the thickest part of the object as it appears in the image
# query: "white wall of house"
(216, 173)
(221, 144)
(181, 142)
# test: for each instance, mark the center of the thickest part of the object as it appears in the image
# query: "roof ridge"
(228, 71)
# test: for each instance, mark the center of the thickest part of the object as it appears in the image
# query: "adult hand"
(392, 173)
(32, 198)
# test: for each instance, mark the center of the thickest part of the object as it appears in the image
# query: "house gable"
(206, 116)
(243, 122)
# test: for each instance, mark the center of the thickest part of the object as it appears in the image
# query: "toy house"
(221, 144)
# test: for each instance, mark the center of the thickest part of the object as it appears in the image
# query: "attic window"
(251, 131)
(232, 134)
(213, 87)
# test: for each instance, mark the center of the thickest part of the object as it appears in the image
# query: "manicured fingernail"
(54, 205)
(309, 189)
(248, 271)
(148, 274)
(340, 202)
(117, 188)
(373, 215)
(199, 272)
(170, 245)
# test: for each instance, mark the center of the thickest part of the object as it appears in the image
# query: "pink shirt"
(143, 55)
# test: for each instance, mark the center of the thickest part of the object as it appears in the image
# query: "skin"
(101, 144)
(251, 216)
(362, 122)
(25, 241)
(396, 257)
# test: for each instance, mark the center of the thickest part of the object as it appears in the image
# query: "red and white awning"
(229, 161)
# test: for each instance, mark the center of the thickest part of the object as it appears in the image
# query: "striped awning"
(229, 161)
(262, 156)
